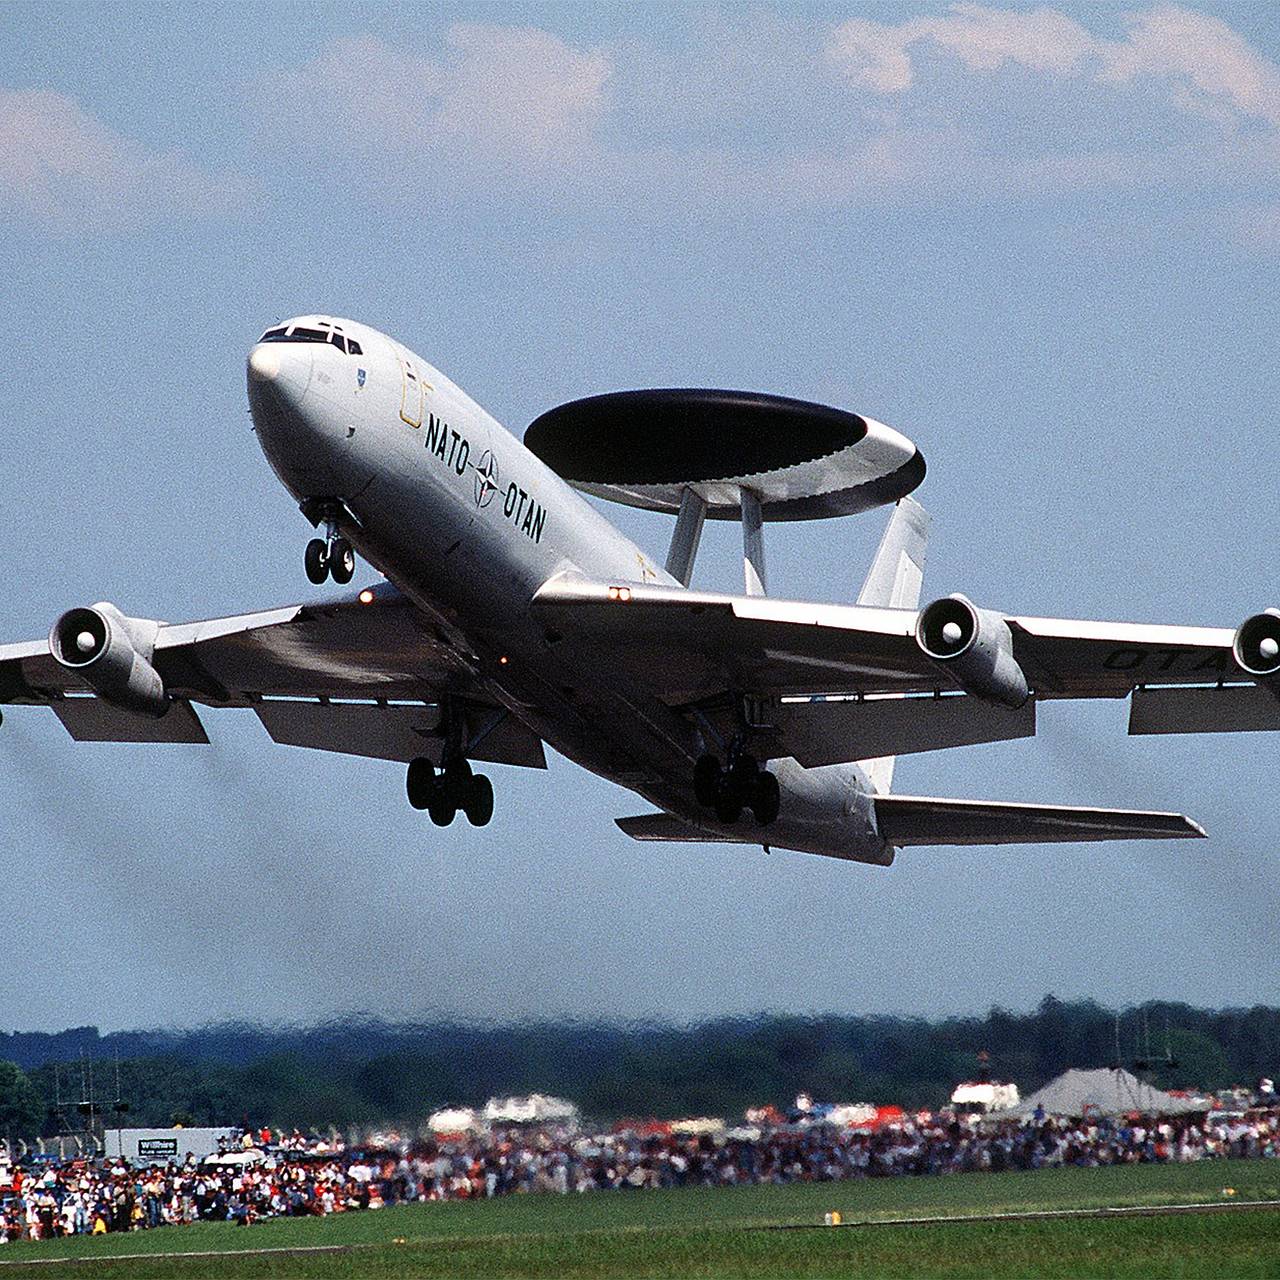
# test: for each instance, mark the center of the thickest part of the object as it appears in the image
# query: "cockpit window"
(300, 334)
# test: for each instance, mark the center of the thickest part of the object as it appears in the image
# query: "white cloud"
(1207, 67)
(517, 95)
(521, 89)
(974, 104)
(877, 55)
(65, 169)
(1202, 57)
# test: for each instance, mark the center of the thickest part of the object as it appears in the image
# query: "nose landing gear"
(330, 556)
(742, 784)
(451, 789)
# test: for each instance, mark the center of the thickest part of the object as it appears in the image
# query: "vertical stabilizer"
(894, 582)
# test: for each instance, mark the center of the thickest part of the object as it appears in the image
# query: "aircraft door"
(414, 394)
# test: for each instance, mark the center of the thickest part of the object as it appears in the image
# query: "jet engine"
(1256, 647)
(975, 646)
(113, 655)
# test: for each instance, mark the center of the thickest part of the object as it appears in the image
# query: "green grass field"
(725, 1233)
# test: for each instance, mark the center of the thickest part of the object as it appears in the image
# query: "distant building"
(162, 1146)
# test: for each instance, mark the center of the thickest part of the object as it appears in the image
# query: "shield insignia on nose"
(360, 375)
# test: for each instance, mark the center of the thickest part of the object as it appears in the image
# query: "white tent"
(986, 1095)
(1104, 1091)
(453, 1120)
(536, 1108)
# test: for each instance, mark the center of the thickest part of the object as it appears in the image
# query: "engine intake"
(112, 653)
(1256, 647)
(975, 646)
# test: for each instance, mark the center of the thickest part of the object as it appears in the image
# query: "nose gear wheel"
(316, 561)
(330, 556)
(342, 561)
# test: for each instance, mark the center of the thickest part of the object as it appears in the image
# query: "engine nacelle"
(112, 654)
(975, 646)
(1256, 647)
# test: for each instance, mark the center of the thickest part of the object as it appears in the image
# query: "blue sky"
(1043, 242)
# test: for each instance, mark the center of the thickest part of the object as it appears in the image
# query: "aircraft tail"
(893, 582)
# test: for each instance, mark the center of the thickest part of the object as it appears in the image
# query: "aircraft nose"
(279, 374)
(264, 362)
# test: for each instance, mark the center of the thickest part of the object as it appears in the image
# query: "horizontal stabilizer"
(1235, 708)
(923, 820)
(666, 826)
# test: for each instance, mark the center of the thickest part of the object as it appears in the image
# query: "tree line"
(362, 1072)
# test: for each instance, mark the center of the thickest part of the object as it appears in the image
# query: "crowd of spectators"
(294, 1177)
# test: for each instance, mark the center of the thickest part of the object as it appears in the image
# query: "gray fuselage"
(468, 524)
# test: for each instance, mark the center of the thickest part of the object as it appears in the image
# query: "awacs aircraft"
(514, 614)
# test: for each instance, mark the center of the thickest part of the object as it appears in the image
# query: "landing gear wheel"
(706, 775)
(728, 804)
(457, 782)
(441, 810)
(316, 560)
(479, 803)
(745, 770)
(766, 799)
(420, 782)
(342, 561)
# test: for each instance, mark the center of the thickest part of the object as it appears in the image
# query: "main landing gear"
(741, 784)
(454, 787)
(330, 556)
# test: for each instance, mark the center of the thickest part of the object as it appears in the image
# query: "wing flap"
(1240, 708)
(817, 732)
(396, 732)
(92, 720)
(925, 820)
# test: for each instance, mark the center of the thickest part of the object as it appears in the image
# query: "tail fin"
(897, 571)
(894, 582)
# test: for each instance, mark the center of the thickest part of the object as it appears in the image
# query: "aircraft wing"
(337, 675)
(844, 682)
